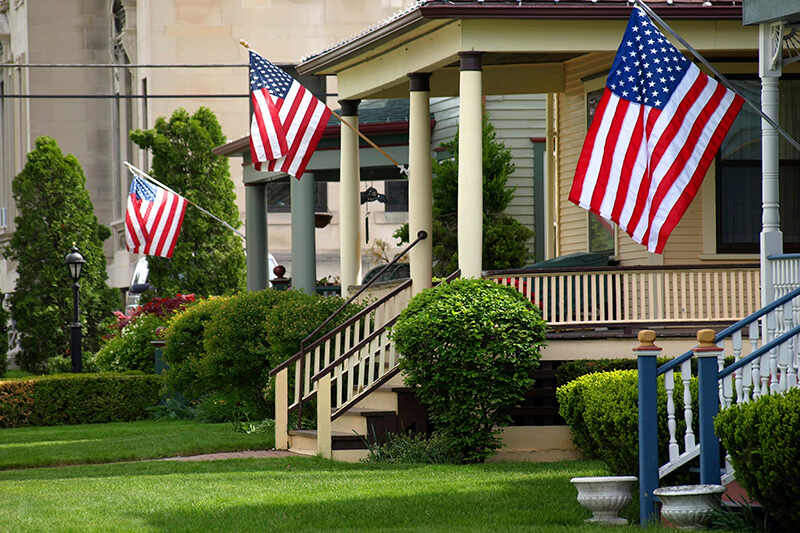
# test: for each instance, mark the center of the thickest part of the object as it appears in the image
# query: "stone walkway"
(234, 455)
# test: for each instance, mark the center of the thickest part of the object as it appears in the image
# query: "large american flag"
(153, 219)
(656, 130)
(288, 120)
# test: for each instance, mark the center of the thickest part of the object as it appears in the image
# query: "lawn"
(124, 441)
(294, 494)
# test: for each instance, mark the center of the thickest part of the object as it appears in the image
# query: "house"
(709, 270)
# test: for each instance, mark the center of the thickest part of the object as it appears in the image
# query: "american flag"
(656, 131)
(288, 120)
(153, 219)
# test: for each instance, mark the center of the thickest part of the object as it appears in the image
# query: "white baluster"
(720, 366)
(686, 377)
(737, 354)
(755, 365)
(727, 391)
(669, 384)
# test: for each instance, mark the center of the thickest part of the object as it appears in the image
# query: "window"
(279, 197)
(601, 231)
(396, 196)
(738, 180)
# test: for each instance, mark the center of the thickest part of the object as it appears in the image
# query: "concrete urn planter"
(689, 506)
(604, 497)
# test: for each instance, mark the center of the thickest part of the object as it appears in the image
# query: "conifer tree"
(504, 237)
(209, 258)
(54, 211)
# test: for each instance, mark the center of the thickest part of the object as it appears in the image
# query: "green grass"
(15, 374)
(295, 494)
(124, 441)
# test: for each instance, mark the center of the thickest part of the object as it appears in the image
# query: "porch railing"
(765, 349)
(625, 296)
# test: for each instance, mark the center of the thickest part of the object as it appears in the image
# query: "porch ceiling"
(522, 56)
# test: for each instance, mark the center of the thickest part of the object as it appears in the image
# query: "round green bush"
(602, 410)
(762, 440)
(229, 345)
(131, 349)
(468, 350)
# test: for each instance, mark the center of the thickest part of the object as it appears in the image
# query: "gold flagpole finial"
(244, 43)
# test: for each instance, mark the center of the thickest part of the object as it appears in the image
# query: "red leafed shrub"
(160, 307)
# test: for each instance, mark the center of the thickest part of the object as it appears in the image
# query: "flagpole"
(140, 172)
(403, 169)
(644, 7)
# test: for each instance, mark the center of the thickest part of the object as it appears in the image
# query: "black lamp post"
(75, 263)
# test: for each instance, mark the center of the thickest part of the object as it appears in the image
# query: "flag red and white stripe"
(288, 121)
(656, 131)
(153, 219)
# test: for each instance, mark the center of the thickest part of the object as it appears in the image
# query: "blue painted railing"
(769, 368)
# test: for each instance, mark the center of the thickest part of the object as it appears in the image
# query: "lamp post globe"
(75, 262)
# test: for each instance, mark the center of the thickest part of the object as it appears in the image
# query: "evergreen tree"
(209, 258)
(54, 211)
(504, 237)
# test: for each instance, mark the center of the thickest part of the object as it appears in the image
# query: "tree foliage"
(504, 237)
(54, 211)
(468, 350)
(209, 258)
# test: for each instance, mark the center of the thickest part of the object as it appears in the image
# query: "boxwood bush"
(602, 410)
(762, 440)
(77, 399)
(468, 350)
(229, 345)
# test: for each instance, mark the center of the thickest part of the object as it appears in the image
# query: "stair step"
(364, 411)
(339, 439)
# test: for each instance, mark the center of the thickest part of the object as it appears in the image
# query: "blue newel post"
(707, 354)
(646, 354)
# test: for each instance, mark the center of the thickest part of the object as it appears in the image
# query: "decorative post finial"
(244, 43)
(647, 338)
(705, 337)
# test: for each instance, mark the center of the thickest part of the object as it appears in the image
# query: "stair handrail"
(389, 323)
(732, 329)
(421, 235)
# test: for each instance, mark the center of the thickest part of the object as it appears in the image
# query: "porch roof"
(525, 44)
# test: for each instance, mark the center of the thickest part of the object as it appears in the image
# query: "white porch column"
(470, 166)
(420, 192)
(770, 69)
(349, 199)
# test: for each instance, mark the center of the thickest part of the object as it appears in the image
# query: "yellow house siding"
(571, 129)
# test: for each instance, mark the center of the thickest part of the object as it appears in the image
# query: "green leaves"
(54, 211)
(468, 348)
(209, 258)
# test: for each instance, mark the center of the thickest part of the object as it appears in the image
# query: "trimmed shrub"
(468, 350)
(602, 410)
(183, 349)
(77, 399)
(574, 369)
(131, 349)
(761, 438)
(229, 345)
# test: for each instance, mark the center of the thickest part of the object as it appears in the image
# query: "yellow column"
(470, 167)
(349, 199)
(420, 194)
(282, 410)
(324, 437)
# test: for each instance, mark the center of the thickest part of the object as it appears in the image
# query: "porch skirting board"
(572, 349)
(537, 444)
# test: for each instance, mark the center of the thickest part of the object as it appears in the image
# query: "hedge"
(762, 440)
(77, 399)
(603, 413)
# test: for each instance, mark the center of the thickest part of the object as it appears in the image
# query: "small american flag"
(656, 131)
(288, 120)
(153, 219)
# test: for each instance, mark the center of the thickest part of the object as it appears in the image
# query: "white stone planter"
(689, 506)
(604, 497)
